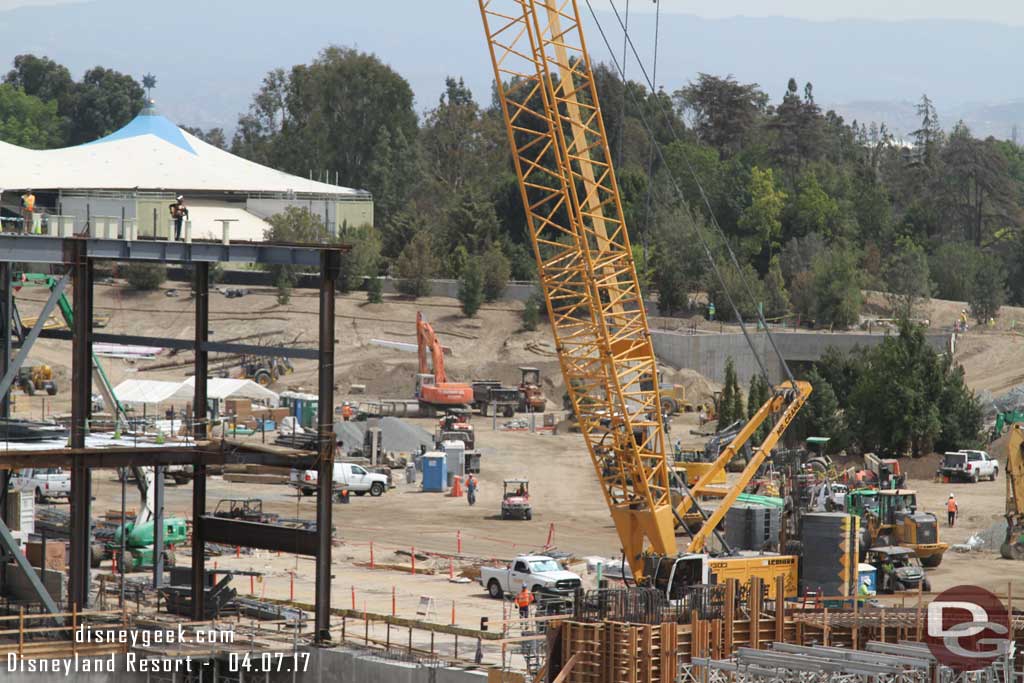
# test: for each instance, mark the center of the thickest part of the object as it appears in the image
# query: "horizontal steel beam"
(204, 454)
(258, 535)
(189, 345)
(43, 249)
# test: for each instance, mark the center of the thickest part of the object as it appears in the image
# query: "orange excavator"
(433, 390)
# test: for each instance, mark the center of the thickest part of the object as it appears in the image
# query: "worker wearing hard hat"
(952, 509)
(523, 600)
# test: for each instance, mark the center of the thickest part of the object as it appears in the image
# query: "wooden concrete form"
(613, 652)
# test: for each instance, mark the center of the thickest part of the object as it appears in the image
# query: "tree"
(211, 136)
(836, 282)
(906, 278)
(27, 121)
(284, 285)
(104, 101)
(296, 226)
(977, 186)
(776, 303)
(415, 266)
(677, 260)
(363, 258)
(822, 415)
(730, 404)
(989, 291)
(954, 267)
(735, 284)
(929, 137)
(43, 78)
(496, 272)
(317, 115)
(722, 111)
(144, 276)
(759, 223)
(471, 288)
(531, 312)
(812, 210)
(375, 290)
(757, 396)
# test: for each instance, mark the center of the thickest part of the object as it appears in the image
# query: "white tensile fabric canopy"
(151, 153)
(146, 391)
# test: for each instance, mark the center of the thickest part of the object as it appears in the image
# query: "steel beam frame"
(41, 249)
(81, 404)
(237, 532)
(330, 268)
(126, 456)
(200, 423)
(7, 379)
(8, 544)
(187, 345)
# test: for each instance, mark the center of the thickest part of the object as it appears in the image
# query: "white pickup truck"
(969, 465)
(347, 476)
(46, 483)
(539, 573)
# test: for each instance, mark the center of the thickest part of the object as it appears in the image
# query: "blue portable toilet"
(867, 573)
(435, 471)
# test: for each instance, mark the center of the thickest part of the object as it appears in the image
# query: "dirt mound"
(699, 389)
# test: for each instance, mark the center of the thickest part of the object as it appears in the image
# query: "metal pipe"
(199, 431)
(81, 402)
(329, 270)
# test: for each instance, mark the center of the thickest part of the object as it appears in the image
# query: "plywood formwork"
(617, 652)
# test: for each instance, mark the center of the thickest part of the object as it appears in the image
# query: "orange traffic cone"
(456, 487)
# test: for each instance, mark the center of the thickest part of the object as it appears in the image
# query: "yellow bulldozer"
(898, 522)
(33, 378)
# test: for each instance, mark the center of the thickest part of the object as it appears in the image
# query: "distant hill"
(210, 56)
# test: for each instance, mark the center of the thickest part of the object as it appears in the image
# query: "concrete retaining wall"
(707, 353)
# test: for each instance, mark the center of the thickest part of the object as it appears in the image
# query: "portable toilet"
(435, 471)
(867, 573)
(456, 455)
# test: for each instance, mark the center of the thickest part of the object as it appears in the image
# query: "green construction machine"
(139, 543)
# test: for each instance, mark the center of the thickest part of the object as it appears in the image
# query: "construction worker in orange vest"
(346, 412)
(523, 601)
(952, 509)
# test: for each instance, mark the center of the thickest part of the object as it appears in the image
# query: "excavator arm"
(428, 343)
(1013, 546)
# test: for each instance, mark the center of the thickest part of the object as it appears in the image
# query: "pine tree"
(471, 288)
(731, 403)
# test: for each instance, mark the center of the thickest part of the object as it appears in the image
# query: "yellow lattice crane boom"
(574, 212)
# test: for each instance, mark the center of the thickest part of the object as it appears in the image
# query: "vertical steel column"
(199, 431)
(158, 525)
(6, 304)
(81, 402)
(330, 263)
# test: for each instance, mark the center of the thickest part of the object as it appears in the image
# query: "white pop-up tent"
(146, 391)
(221, 388)
(155, 392)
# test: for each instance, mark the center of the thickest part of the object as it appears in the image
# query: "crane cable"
(703, 194)
(700, 234)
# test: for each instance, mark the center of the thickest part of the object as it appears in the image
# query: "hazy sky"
(1001, 11)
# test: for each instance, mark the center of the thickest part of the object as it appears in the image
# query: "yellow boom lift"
(574, 213)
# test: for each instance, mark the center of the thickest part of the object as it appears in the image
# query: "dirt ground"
(568, 503)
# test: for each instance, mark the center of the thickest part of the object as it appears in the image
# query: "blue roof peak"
(150, 122)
